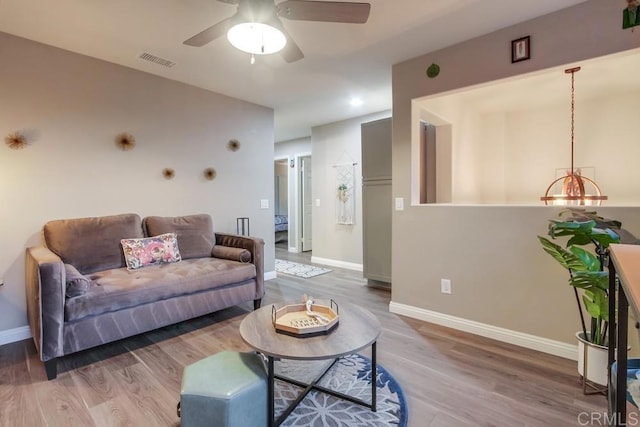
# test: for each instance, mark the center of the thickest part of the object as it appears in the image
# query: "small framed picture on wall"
(521, 49)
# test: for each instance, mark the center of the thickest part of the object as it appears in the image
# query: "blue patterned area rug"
(350, 375)
(300, 270)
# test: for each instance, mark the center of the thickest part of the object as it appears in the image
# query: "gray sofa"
(80, 293)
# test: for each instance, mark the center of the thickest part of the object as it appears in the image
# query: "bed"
(281, 228)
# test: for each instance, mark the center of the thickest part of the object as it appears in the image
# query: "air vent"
(157, 60)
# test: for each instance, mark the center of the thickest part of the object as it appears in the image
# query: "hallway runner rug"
(350, 375)
(300, 270)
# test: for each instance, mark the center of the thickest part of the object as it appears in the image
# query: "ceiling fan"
(262, 18)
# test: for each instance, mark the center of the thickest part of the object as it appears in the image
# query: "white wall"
(71, 107)
(606, 138)
(333, 144)
(293, 150)
(492, 174)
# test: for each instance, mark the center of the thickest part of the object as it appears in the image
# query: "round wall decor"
(210, 174)
(233, 145)
(168, 173)
(433, 70)
(15, 140)
(125, 141)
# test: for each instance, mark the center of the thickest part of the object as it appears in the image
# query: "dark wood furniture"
(357, 329)
(624, 264)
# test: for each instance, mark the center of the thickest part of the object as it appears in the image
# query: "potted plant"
(584, 256)
(342, 193)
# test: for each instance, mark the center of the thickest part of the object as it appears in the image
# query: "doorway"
(281, 201)
(306, 203)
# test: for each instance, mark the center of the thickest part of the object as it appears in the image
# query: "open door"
(306, 203)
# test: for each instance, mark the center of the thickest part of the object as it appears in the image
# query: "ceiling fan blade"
(210, 34)
(230, 1)
(325, 11)
(291, 51)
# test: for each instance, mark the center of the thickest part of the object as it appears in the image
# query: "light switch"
(264, 204)
(317, 203)
(399, 203)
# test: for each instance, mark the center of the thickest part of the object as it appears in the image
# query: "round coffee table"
(357, 329)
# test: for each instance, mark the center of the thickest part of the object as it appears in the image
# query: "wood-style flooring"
(450, 378)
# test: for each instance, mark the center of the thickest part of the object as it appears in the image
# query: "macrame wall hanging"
(345, 187)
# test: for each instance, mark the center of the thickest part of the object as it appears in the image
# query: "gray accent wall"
(70, 107)
(499, 274)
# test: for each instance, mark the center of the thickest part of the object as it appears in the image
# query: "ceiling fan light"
(256, 38)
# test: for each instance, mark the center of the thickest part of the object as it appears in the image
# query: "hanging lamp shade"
(573, 189)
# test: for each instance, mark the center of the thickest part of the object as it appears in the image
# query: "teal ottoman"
(228, 389)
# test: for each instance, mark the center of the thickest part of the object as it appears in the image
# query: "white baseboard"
(293, 249)
(337, 263)
(545, 345)
(270, 275)
(15, 334)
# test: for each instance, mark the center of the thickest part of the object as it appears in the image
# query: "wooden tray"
(293, 320)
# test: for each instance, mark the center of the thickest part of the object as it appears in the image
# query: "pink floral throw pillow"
(150, 250)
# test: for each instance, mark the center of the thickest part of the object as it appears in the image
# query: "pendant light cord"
(572, 71)
(573, 74)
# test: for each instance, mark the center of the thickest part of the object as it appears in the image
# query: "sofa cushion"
(195, 233)
(150, 250)
(121, 288)
(92, 244)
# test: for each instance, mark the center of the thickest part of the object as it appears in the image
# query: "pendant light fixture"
(573, 188)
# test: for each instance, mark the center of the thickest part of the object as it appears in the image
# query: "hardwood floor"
(450, 378)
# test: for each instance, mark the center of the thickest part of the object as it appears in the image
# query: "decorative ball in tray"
(305, 320)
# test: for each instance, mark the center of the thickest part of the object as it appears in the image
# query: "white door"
(306, 202)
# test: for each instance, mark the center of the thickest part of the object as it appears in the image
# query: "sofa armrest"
(255, 245)
(45, 289)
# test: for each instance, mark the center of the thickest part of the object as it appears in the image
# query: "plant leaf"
(589, 261)
(583, 232)
(566, 259)
(591, 280)
(580, 231)
(596, 303)
(605, 237)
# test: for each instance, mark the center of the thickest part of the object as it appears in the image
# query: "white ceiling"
(341, 60)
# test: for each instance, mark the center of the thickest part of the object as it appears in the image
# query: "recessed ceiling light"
(356, 102)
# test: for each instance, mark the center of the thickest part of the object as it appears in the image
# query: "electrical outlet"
(264, 204)
(445, 286)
